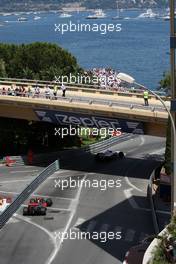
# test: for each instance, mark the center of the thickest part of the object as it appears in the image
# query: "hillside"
(26, 5)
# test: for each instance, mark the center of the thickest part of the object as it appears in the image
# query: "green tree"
(2, 69)
(37, 60)
(166, 81)
(166, 84)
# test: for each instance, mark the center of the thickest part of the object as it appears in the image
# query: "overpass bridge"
(87, 107)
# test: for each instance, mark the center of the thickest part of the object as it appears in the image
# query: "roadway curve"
(35, 240)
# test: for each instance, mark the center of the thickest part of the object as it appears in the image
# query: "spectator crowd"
(102, 78)
(107, 79)
(48, 92)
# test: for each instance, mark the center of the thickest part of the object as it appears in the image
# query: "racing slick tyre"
(97, 157)
(25, 211)
(32, 211)
(49, 202)
(115, 155)
(43, 211)
(121, 155)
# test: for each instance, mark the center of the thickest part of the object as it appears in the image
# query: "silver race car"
(109, 155)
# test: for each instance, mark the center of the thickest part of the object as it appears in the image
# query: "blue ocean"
(140, 49)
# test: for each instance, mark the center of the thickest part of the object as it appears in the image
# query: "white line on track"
(9, 181)
(132, 185)
(158, 151)
(73, 208)
(27, 220)
(6, 192)
(24, 171)
(163, 212)
(40, 195)
(129, 196)
(142, 139)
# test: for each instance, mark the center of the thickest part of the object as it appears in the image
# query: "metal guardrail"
(79, 87)
(14, 206)
(150, 196)
(105, 144)
(37, 158)
(87, 100)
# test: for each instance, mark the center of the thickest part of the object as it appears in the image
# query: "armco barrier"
(150, 196)
(23, 97)
(105, 144)
(7, 214)
(37, 159)
(148, 256)
(50, 157)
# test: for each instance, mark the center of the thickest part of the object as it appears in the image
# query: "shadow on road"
(131, 167)
(111, 220)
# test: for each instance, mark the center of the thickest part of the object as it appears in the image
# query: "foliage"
(2, 69)
(167, 164)
(37, 60)
(158, 253)
(165, 83)
(159, 256)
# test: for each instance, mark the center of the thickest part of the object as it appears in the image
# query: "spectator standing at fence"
(146, 96)
(23, 91)
(37, 91)
(17, 91)
(47, 92)
(63, 88)
(29, 91)
(3, 91)
(20, 91)
(9, 91)
(55, 89)
(12, 91)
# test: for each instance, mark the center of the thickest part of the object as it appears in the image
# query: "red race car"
(46, 202)
(37, 206)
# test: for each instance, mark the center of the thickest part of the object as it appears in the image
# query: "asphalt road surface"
(95, 209)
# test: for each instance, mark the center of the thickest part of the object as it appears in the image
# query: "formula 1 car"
(46, 202)
(34, 209)
(109, 155)
(4, 203)
(37, 206)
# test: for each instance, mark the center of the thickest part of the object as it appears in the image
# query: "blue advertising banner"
(76, 119)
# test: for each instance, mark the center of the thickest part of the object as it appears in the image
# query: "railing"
(82, 99)
(79, 88)
(14, 206)
(105, 144)
(149, 254)
(152, 205)
(38, 159)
